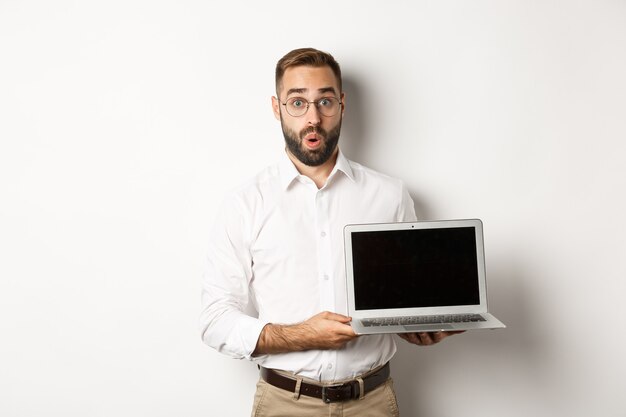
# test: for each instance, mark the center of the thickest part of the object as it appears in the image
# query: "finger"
(411, 338)
(416, 339)
(338, 328)
(346, 330)
(336, 317)
(342, 337)
(426, 338)
(438, 337)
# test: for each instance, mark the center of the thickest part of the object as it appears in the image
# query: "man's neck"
(319, 174)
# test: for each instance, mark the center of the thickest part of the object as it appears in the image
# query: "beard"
(312, 157)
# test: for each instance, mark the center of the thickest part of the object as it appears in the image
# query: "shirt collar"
(289, 172)
(343, 165)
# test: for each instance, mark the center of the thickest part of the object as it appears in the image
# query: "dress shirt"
(277, 249)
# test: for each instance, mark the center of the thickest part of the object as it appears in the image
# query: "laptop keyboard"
(407, 321)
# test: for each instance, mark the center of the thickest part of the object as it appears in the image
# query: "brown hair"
(309, 57)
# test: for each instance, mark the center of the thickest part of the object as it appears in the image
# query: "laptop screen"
(415, 268)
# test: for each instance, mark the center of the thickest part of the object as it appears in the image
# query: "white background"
(123, 123)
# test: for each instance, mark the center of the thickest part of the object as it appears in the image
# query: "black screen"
(415, 268)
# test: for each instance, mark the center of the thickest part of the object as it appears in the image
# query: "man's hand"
(325, 330)
(328, 330)
(427, 338)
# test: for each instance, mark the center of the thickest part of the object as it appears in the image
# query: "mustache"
(313, 129)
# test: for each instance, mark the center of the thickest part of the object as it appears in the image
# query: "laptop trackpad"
(428, 327)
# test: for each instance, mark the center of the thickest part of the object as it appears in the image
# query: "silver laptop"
(417, 277)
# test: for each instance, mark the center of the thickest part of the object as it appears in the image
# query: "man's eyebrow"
(327, 90)
(297, 90)
(304, 90)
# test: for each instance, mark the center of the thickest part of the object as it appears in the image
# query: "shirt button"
(323, 234)
(325, 277)
(330, 366)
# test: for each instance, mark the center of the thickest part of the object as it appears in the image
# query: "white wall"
(122, 124)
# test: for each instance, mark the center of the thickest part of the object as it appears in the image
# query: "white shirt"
(277, 247)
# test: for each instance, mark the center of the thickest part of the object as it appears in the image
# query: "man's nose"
(313, 115)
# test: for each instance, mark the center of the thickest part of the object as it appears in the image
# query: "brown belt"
(328, 393)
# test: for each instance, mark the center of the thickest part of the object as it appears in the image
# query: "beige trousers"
(270, 401)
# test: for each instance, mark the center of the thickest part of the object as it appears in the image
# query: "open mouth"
(312, 140)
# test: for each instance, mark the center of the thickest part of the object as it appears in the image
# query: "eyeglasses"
(298, 106)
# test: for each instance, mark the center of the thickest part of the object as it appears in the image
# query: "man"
(277, 246)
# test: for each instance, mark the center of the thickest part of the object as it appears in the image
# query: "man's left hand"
(427, 338)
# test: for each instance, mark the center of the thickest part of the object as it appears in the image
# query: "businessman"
(277, 246)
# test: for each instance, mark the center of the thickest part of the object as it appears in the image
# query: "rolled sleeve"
(225, 323)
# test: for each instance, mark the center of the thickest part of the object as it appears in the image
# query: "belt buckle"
(325, 389)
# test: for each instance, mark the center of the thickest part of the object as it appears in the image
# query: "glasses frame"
(316, 103)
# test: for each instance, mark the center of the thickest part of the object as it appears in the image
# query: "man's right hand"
(325, 330)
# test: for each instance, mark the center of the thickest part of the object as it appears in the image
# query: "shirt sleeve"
(224, 322)
(406, 209)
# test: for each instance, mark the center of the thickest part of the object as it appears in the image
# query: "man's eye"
(297, 103)
(324, 102)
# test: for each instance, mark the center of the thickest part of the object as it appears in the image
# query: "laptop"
(422, 276)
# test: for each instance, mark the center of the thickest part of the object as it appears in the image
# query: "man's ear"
(343, 103)
(276, 107)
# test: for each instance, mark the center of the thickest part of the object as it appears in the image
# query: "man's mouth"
(312, 140)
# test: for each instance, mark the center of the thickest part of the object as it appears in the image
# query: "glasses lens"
(297, 106)
(328, 106)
